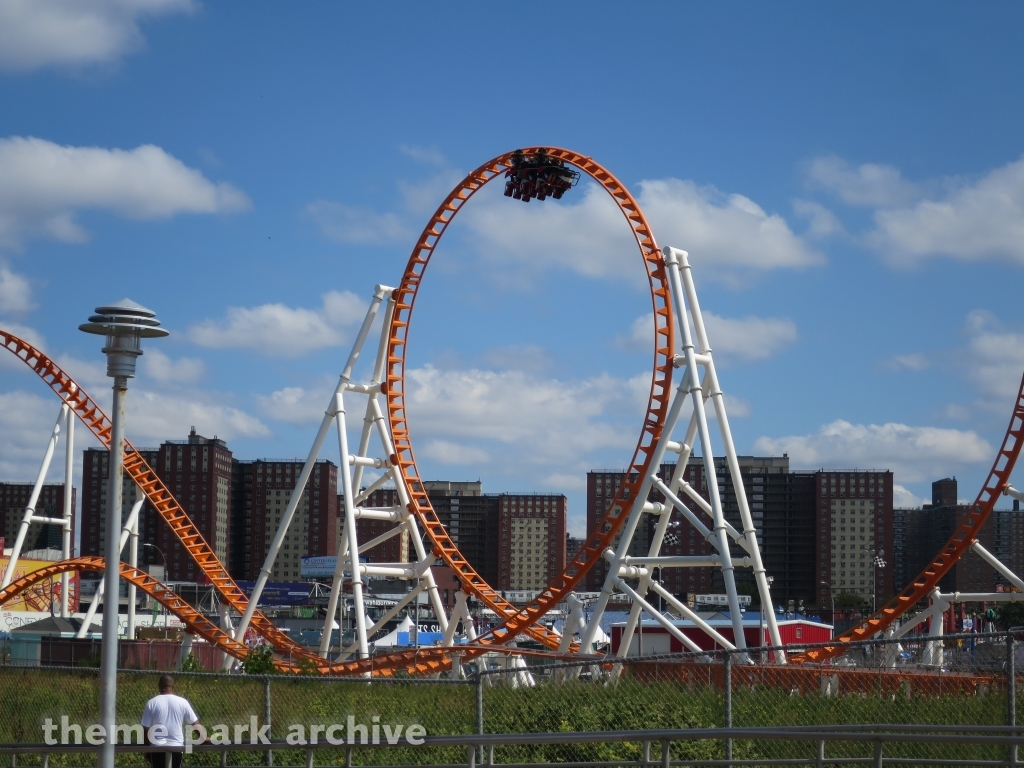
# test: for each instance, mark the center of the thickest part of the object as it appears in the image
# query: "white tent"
(391, 638)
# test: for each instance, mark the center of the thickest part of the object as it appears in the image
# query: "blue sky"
(848, 180)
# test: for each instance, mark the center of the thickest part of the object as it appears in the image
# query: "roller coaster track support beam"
(30, 515)
(69, 511)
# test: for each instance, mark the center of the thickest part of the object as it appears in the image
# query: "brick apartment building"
(786, 507)
(855, 524)
(515, 541)
(265, 488)
(921, 533)
(14, 498)
(236, 506)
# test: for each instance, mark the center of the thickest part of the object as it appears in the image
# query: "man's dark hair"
(166, 683)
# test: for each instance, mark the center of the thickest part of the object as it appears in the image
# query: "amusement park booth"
(795, 629)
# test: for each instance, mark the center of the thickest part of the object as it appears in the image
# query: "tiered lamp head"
(125, 323)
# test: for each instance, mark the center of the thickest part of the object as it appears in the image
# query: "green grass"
(28, 696)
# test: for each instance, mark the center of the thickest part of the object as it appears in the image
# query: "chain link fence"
(953, 680)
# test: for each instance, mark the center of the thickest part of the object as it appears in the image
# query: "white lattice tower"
(374, 434)
(632, 576)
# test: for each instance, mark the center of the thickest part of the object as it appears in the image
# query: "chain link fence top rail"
(953, 680)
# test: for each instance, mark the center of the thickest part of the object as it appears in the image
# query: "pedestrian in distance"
(163, 721)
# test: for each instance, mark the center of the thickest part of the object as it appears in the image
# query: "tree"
(848, 600)
(191, 664)
(1010, 615)
(259, 660)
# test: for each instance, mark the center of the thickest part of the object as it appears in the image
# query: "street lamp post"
(163, 559)
(877, 562)
(832, 595)
(124, 324)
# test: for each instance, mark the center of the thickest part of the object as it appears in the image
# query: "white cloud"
(914, 454)
(915, 361)
(39, 33)
(822, 221)
(154, 417)
(523, 357)
(446, 452)
(15, 291)
(869, 184)
(552, 416)
(23, 332)
(722, 233)
(296, 405)
(278, 330)
(159, 367)
(26, 420)
(43, 185)
(345, 223)
(904, 499)
(970, 222)
(351, 224)
(746, 339)
(995, 359)
(427, 155)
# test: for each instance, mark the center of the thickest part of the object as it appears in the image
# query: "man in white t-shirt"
(163, 720)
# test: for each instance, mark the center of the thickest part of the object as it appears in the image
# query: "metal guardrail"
(879, 736)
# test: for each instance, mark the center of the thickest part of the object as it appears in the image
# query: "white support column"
(573, 621)
(133, 561)
(718, 400)
(992, 560)
(126, 528)
(30, 510)
(459, 613)
(69, 510)
(933, 654)
(350, 528)
(672, 265)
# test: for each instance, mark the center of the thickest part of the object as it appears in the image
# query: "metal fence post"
(1011, 692)
(878, 753)
(480, 709)
(727, 675)
(266, 715)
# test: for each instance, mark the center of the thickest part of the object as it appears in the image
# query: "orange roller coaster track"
(517, 621)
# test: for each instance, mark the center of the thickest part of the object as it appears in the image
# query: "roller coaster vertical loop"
(405, 295)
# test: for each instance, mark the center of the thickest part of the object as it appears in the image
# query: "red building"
(798, 630)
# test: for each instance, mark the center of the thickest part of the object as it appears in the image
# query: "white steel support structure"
(633, 576)
(349, 568)
(66, 423)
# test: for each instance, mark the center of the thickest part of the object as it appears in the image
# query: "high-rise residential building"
(514, 541)
(532, 538)
(471, 519)
(95, 476)
(765, 481)
(197, 471)
(944, 492)
(572, 546)
(855, 526)
(921, 534)
(14, 498)
(267, 484)
(791, 512)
